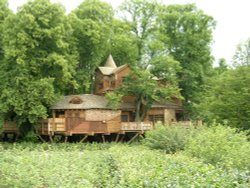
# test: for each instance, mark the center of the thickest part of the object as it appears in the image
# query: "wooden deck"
(187, 123)
(10, 127)
(52, 125)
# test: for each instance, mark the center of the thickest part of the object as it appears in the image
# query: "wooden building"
(82, 114)
(109, 77)
(90, 114)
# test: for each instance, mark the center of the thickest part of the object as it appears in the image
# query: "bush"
(35, 165)
(219, 145)
(168, 138)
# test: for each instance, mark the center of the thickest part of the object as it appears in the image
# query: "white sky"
(232, 20)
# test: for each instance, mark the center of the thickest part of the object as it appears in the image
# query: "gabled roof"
(110, 67)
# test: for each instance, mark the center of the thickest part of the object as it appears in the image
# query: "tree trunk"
(138, 110)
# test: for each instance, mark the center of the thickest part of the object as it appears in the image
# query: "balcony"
(51, 125)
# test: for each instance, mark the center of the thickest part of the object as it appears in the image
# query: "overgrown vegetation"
(171, 139)
(108, 165)
(222, 146)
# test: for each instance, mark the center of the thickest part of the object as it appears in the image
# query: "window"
(100, 85)
(76, 100)
(112, 84)
(156, 118)
(124, 118)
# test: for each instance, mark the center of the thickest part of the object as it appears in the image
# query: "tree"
(38, 65)
(91, 22)
(141, 16)
(187, 33)
(222, 66)
(242, 54)
(4, 12)
(147, 89)
(123, 44)
(226, 98)
(154, 72)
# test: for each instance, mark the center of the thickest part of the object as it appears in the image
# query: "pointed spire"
(110, 62)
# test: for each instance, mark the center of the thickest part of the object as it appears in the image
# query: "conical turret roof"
(110, 62)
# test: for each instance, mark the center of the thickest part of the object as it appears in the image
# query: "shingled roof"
(89, 101)
(110, 67)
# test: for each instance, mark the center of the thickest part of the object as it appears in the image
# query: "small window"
(124, 118)
(156, 118)
(76, 100)
(100, 85)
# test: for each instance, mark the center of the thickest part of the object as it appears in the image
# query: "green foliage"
(222, 146)
(187, 33)
(145, 87)
(171, 139)
(114, 99)
(226, 98)
(38, 65)
(4, 12)
(123, 44)
(91, 22)
(242, 54)
(116, 166)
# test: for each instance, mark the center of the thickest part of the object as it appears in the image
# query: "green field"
(108, 165)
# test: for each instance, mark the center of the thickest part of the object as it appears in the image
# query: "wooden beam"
(41, 138)
(122, 138)
(53, 122)
(103, 138)
(117, 137)
(134, 137)
(65, 139)
(51, 139)
(84, 138)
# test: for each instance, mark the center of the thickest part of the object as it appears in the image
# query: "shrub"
(119, 166)
(219, 145)
(168, 138)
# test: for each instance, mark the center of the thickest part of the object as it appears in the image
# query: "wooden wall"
(92, 121)
(169, 116)
(119, 76)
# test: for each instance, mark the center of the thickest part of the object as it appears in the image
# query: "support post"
(103, 138)
(117, 137)
(53, 121)
(40, 137)
(83, 139)
(51, 139)
(134, 137)
(122, 138)
(65, 139)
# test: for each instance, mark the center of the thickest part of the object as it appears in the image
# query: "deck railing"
(135, 126)
(188, 123)
(52, 125)
(10, 127)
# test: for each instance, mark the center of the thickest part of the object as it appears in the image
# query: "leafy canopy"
(38, 65)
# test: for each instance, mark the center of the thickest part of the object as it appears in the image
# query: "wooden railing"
(52, 125)
(10, 127)
(188, 123)
(135, 126)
